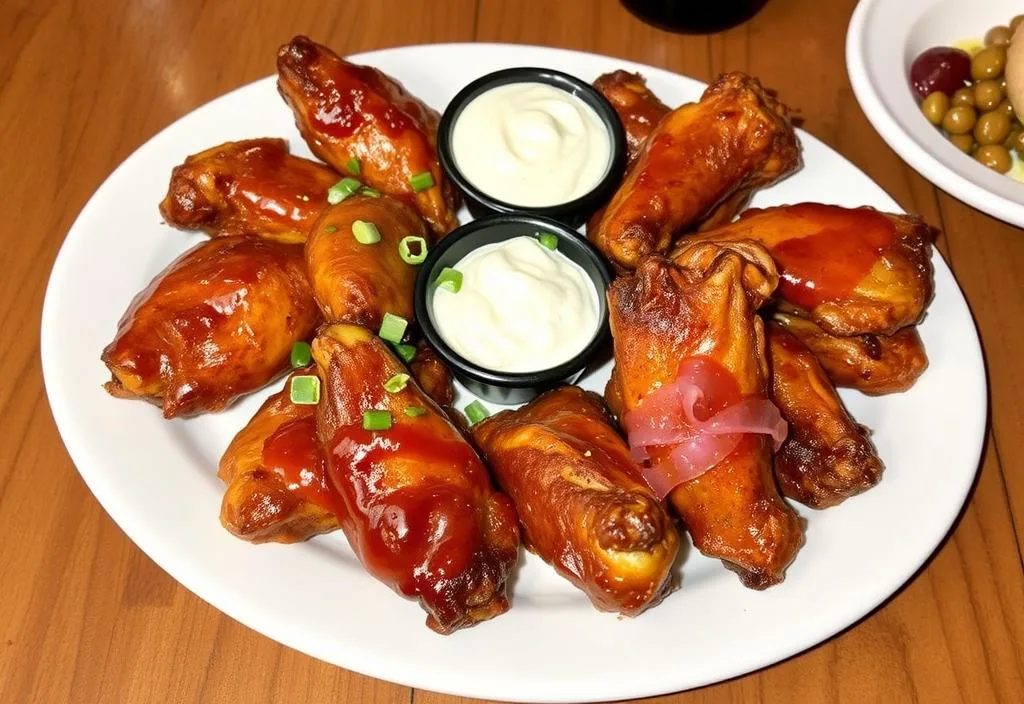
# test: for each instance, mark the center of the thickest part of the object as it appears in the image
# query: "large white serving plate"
(157, 478)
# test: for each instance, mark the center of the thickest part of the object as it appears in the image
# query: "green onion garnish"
(406, 352)
(548, 240)
(331, 229)
(369, 192)
(305, 390)
(421, 181)
(396, 383)
(302, 354)
(365, 232)
(449, 279)
(342, 190)
(476, 412)
(405, 246)
(352, 166)
(392, 328)
(415, 411)
(376, 420)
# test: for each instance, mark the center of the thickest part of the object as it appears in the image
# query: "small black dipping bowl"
(506, 387)
(574, 212)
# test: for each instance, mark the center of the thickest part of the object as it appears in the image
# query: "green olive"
(987, 95)
(959, 120)
(1011, 139)
(998, 36)
(935, 106)
(1006, 107)
(992, 128)
(988, 63)
(963, 142)
(995, 157)
(1017, 142)
(963, 96)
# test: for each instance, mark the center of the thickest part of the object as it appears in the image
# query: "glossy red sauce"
(281, 187)
(359, 96)
(293, 453)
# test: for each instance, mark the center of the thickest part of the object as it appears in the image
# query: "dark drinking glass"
(694, 16)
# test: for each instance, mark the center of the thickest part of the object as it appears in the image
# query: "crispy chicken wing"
(638, 108)
(252, 187)
(872, 364)
(421, 513)
(665, 317)
(827, 456)
(217, 323)
(853, 270)
(700, 164)
(346, 112)
(358, 283)
(581, 500)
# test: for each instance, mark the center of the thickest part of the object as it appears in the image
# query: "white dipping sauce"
(531, 144)
(522, 307)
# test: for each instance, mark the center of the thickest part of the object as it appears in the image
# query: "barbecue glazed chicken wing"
(691, 385)
(638, 108)
(699, 165)
(581, 499)
(826, 457)
(872, 364)
(253, 187)
(853, 271)
(421, 513)
(358, 283)
(347, 112)
(217, 323)
(433, 375)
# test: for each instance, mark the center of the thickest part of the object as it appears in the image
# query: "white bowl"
(884, 38)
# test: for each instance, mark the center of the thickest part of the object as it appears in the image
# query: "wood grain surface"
(86, 617)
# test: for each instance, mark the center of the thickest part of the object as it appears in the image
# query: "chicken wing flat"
(217, 323)
(699, 165)
(358, 283)
(347, 112)
(691, 382)
(827, 456)
(421, 513)
(853, 271)
(252, 187)
(638, 108)
(582, 502)
(872, 364)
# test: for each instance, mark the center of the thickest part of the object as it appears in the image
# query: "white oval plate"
(884, 38)
(157, 478)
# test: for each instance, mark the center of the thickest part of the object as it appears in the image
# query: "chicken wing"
(433, 375)
(700, 164)
(853, 271)
(872, 364)
(347, 112)
(638, 108)
(581, 499)
(668, 320)
(827, 456)
(421, 513)
(217, 323)
(358, 283)
(252, 187)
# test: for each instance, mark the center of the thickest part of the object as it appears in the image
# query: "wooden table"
(86, 617)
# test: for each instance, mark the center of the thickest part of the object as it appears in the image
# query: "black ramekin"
(574, 212)
(491, 385)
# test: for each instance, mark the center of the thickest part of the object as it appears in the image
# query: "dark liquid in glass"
(694, 16)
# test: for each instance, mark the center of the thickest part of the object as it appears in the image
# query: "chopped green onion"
(392, 328)
(365, 232)
(396, 383)
(342, 190)
(476, 412)
(331, 229)
(415, 411)
(406, 352)
(449, 279)
(548, 240)
(376, 420)
(405, 246)
(352, 166)
(305, 390)
(369, 192)
(302, 354)
(421, 181)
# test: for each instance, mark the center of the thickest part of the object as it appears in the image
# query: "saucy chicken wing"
(217, 323)
(691, 386)
(421, 513)
(853, 271)
(581, 500)
(638, 108)
(358, 283)
(827, 456)
(347, 112)
(433, 375)
(699, 165)
(872, 364)
(253, 187)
